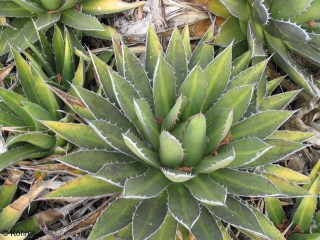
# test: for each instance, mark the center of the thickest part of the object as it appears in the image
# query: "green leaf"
(286, 173)
(273, 84)
(260, 12)
(176, 56)
(148, 185)
(115, 217)
(118, 172)
(79, 75)
(194, 89)
(149, 217)
(68, 4)
(247, 150)
(150, 127)
(125, 94)
(136, 75)
(182, 205)
(111, 135)
(240, 183)
(46, 96)
(177, 176)
(21, 153)
(270, 230)
(82, 159)
(153, 52)
(25, 76)
(173, 116)
(300, 236)
(307, 51)
(294, 136)
(170, 152)
(9, 187)
(46, 20)
(203, 53)
(163, 88)
(260, 125)
(40, 140)
(38, 56)
(238, 215)
(206, 190)
(217, 74)
(141, 150)
(194, 140)
(68, 60)
(74, 103)
(82, 187)
(304, 214)
(79, 134)
(219, 124)
(239, 9)
(58, 48)
(278, 101)
(167, 229)
(280, 149)
(230, 32)
(287, 188)
(241, 63)
(31, 6)
(12, 9)
(88, 23)
(282, 9)
(9, 120)
(287, 30)
(214, 163)
(13, 101)
(98, 7)
(251, 75)
(308, 15)
(243, 95)
(284, 60)
(206, 227)
(185, 35)
(102, 75)
(118, 53)
(274, 210)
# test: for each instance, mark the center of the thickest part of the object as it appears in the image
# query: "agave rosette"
(284, 27)
(181, 149)
(52, 66)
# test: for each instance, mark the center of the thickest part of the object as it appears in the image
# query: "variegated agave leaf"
(31, 16)
(182, 145)
(282, 27)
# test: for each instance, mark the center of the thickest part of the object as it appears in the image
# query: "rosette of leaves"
(41, 70)
(76, 14)
(285, 28)
(171, 140)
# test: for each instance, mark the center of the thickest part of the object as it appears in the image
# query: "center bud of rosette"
(185, 145)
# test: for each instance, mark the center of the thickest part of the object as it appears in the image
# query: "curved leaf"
(148, 185)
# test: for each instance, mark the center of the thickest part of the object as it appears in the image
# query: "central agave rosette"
(175, 147)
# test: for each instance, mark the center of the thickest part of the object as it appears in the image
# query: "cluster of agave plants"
(182, 145)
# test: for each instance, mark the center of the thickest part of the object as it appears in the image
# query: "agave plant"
(42, 14)
(284, 27)
(177, 150)
(33, 99)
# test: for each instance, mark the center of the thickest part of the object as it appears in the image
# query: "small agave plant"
(42, 14)
(180, 151)
(52, 65)
(284, 27)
